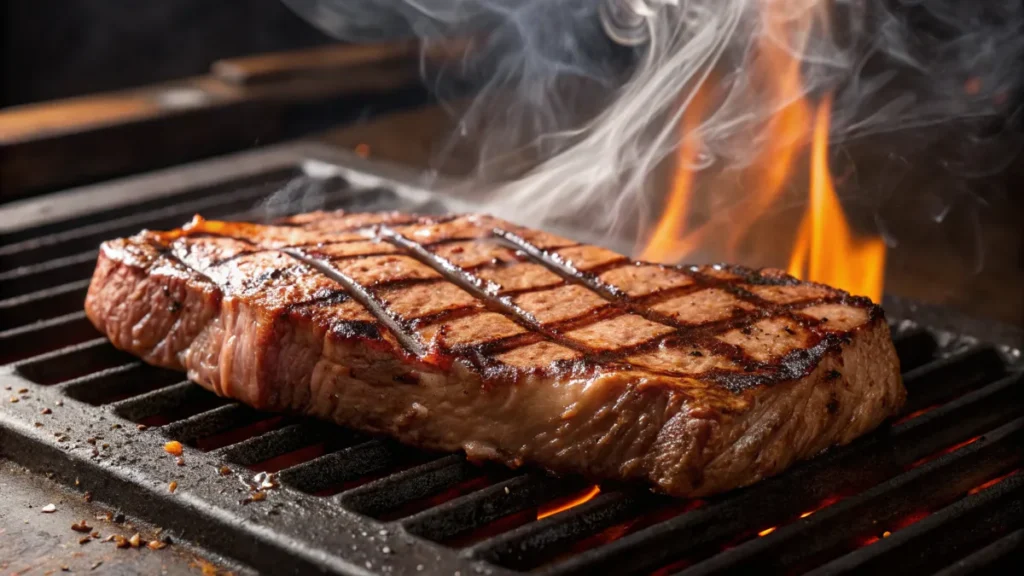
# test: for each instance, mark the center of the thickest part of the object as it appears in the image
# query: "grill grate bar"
(40, 276)
(999, 557)
(72, 361)
(26, 342)
(820, 536)
(940, 538)
(225, 189)
(473, 511)
(211, 422)
(395, 490)
(281, 441)
(55, 245)
(143, 406)
(534, 543)
(42, 305)
(949, 377)
(113, 384)
(344, 466)
(860, 465)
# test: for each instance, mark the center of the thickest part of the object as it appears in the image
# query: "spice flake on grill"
(518, 346)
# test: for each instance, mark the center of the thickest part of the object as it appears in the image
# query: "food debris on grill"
(172, 486)
(542, 337)
(265, 481)
(81, 526)
(253, 497)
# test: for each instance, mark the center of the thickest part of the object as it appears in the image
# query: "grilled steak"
(509, 343)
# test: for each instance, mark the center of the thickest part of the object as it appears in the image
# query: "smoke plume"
(569, 125)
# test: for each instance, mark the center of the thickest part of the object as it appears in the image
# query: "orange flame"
(669, 240)
(558, 507)
(825, 249)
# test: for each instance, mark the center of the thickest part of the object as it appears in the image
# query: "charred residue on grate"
(938, 485)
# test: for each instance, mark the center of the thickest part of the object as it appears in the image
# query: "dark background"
(60, 48)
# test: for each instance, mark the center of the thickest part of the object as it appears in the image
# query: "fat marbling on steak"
(515, 345)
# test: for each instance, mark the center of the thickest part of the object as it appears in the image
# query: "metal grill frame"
(975, 386)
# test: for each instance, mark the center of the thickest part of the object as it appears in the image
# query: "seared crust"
(512, 344)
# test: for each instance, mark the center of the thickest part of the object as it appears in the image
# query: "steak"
(512, 344)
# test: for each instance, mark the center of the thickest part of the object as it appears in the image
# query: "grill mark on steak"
(409, 341)
(590, 279)
(485, 291)
(753, 372)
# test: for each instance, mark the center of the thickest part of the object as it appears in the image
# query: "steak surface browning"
(515, 345)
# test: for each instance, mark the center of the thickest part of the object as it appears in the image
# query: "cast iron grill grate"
(939, 489)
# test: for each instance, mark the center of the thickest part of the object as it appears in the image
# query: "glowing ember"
(915, 414)
(561, 506)
(824, 504)
(362, 150)
(909, 519)
(990, 483)
(826, 250)
(766, 531)
(912, 518)
(943, 452)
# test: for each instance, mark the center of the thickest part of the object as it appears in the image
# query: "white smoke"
(570, 126)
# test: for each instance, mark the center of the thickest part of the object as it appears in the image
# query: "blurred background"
(59, 49)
